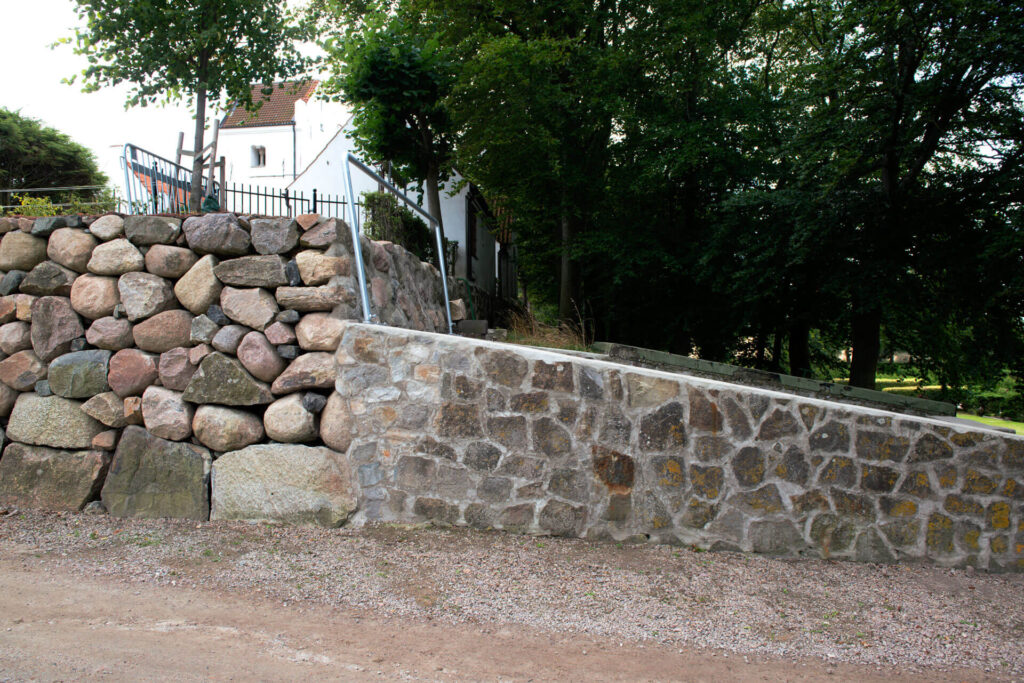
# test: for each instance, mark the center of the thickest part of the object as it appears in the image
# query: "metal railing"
(157, 185)
(357, 250)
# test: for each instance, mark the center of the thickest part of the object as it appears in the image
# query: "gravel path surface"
(913, 618)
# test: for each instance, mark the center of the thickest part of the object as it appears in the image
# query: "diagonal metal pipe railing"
(368, 316)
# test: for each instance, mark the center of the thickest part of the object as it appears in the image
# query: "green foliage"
(206, 49)
(779, 179)
(387, 220)
(33, 155)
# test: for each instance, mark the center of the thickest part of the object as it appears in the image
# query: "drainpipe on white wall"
(294, 153)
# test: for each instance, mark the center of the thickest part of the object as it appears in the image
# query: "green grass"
(994, 421)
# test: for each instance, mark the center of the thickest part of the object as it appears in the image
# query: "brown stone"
(116, 257)
(164, 331)
(317, 268)
(510, 432)
(288, 421)
(647, 392)
(881, 446)
(553, 376)
(197, 353)
(133, 410)
(216, 233)
(550, 438)
(19, 251)
(199, 288)
(7, 398)
(704, 414)
(107, 227)
(50, 479)
(226, 429)
(326, 233)
(71, 248)
(166, 415)
(48, 279)
(308, 371)
(145, 295)
(663, 429)
(310, 299)
(94, 296)
(778, 425)
(274, 235)
(280, 333)
(253, 308)
(22, 370)
(615, 470)
(8, 309)
(112, 334)
(503, 367)
(259, 357)
(707, 481)
(107, 408)
(562, 519)
(106, 441)
(54, 326)
(176, 369)
(748, 466)
(307, 220)
(131, 371)
(319, 332)
(252, 271)
(14, 337)
(23, 306)
(169, 262)
(337, 424)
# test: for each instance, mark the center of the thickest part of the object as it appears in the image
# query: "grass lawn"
(994, 421)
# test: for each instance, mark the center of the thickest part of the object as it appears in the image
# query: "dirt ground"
(84, 599)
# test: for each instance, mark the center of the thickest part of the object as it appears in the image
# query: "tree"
(34, 155)
(396, 79)
(206, 49)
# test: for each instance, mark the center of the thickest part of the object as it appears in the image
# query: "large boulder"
(22, 370)
(252, 271)
(48, 279)
(253, 308)
(226, 429)
(51, 421)
(116, 257)
(284, 483)
(152, 477)
(50, 479)
(222, 380)
(165, 414)
(216, 233)
(287, 420)
(309, 371)
(169, 262)
(147, 230)
(337, 423)
(144, 295)
(94, 296)
(81, 374)
(274, 235)
(54, 326)
(199, 288)
(20, 251)
(164, 331)
(71, 248)
(131, 371)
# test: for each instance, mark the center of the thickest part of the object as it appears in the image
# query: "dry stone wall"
(490, 435)
(136, 350)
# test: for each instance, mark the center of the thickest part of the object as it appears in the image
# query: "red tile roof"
(278, 108)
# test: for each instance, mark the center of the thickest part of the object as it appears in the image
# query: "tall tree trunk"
(799, 349)
(866, 332)
(434, 202)
(569, 280)
(195, 195)
(776, 362)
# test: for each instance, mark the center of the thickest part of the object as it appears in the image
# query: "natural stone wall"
(135, 350)
(489, 435)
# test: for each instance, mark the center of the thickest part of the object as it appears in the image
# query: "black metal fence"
(157, 185)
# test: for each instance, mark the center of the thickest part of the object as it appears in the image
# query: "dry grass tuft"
(525, 329)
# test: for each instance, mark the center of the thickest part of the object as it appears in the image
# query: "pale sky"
(31, 84)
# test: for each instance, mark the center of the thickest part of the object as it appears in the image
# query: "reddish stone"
(54, 326)
(259, 357)
(22, 370)
(170, 262)
(164, 331)
(176, 369)
(133, 410)
(131, 371)
(94, 296)
(71, 248)
(280, 333)
(112, 334)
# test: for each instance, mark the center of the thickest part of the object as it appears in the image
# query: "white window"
(258, 157)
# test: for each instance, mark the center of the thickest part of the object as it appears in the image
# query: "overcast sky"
(31, 84)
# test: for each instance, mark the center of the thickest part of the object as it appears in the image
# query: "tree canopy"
(206, 49)
(36, 156)
(777, 180)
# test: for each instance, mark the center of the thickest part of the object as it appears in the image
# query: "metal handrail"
(368, 317)
(177, 179)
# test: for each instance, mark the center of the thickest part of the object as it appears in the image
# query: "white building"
(298, 143)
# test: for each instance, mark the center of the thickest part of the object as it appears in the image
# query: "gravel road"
(653, 601)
